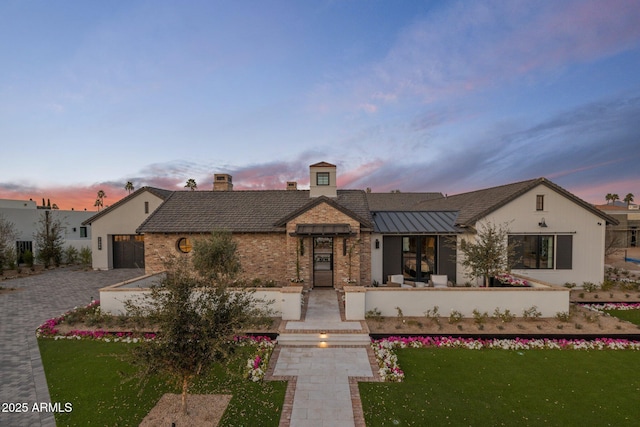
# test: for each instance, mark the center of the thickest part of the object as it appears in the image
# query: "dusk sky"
(447, 96)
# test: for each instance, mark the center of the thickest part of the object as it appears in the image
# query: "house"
(330, 237)
(115, 243)
(26, 216)
(625, 234)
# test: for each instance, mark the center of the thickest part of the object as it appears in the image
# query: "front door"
(323, 261)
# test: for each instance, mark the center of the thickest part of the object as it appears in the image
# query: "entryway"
(323, 262)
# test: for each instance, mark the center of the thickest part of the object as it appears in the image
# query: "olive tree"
(216, 257)
(490, 253)
(197, 319)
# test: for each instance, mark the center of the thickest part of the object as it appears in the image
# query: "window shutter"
(564, 256)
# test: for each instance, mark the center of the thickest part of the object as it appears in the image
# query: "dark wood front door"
(323, 261)
(128, 251)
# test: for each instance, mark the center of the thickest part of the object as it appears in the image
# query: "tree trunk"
(185, 386)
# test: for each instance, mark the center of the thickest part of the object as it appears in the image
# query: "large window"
(418, 257)
(533, 251)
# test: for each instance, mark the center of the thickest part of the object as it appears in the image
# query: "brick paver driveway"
(39, 298)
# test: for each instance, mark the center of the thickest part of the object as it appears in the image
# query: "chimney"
(222, 182)
(322, 181)
(292, 185)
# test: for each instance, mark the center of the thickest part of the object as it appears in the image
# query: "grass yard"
(503, 387)
(632, 316)
(92, 376)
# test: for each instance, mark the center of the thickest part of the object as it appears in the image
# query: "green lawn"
(92, 376)
(632, 316)
(502, 387)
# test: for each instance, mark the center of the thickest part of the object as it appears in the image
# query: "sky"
(445, 96)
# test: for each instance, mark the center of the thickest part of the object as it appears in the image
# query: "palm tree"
(129, 186)
(608, 197)
(628, 199)
(191, 183)
(614, 197)
(100, 200)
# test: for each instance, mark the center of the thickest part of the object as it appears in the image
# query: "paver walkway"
(322, 392)
(40, 297)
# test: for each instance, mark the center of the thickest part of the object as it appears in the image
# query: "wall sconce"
(302, 246)
(99, 243)
(344, 247)
(377, 244)
(542, 223)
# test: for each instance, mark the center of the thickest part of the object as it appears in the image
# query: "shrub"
(531, 313)
(455, 316)
(71, 255)
(374, 314)
(506, 316)
(479, 318)
(589, 286)
(85, 256)
(563, 316)
(27, 257)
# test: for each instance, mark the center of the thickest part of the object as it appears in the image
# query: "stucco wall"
(562, 216)
(415, 301)
(123, 219)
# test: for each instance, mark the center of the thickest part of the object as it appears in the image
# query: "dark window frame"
(533, 252)
(83, 232)
(146, 207)
(323, 178)
(540, 202)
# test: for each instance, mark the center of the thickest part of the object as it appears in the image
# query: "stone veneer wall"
(361, 257)
(272, 256)
(262, 255)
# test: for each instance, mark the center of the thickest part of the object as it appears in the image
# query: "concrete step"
(322, 340)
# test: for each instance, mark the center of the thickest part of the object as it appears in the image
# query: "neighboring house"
(26, 216)
(329, 237)
(115, 243)
(625, 234)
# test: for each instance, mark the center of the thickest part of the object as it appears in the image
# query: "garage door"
(128, 251)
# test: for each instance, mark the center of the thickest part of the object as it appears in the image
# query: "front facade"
(329, 237)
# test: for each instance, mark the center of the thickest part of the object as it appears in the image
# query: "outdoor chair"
(439, 280)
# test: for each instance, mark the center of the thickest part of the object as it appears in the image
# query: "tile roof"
(159, 192)
(475, 205)
(398, 201)
(240, 211)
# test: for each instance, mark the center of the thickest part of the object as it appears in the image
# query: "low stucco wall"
(282, 302)
(549, 300)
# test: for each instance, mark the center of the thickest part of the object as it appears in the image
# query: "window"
(83, 231)
(146, 207)
(534, 251)
(418, 257)
(540, 202)
(184, 245)
(322, 178)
